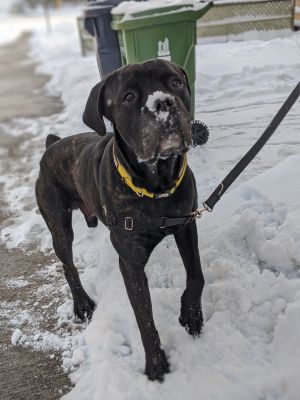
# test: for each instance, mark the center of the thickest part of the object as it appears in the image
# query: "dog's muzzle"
(161, 105)
(166, 129)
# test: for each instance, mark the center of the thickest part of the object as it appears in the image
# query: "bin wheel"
(200, 133)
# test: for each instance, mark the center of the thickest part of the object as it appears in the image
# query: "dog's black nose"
(164, 104)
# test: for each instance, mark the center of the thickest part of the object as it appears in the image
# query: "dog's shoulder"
(63, 154)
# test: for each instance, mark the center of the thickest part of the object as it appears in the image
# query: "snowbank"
(5, 7)
(12, 26)
(132, 7)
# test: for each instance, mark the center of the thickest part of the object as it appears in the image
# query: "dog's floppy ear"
(94, 109)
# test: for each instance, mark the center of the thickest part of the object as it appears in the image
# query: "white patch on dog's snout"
(151, 104)
(170, 142)
(108, 102)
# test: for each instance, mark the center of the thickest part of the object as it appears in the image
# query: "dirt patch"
(24, 374)
(21, 91)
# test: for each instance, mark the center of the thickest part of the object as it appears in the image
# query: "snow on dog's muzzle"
(160, 104)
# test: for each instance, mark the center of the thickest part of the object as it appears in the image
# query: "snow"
(13, 25)
(249, 245)
(151, 105)
(16, 336)
(14, 282)
(128, 8)
(238, 1)
(6, 6)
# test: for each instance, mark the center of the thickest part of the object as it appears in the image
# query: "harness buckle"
(128, 223)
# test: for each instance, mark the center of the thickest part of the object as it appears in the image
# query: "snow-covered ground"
(249, 348)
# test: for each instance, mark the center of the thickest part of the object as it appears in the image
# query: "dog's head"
(149, 105)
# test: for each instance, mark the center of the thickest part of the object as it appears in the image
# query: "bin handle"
(188, 56)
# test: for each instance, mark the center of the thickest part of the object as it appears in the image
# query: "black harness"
(146, 223)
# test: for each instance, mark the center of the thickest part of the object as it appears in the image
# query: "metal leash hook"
(199, 211)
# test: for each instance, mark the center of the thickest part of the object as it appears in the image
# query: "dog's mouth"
(168, 146)
(172, 145)
(165, 143)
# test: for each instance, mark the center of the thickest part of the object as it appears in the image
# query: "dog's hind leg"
(54, 205)
(191, 312)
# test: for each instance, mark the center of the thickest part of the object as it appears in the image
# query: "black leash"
(136, 224)
(248, 157)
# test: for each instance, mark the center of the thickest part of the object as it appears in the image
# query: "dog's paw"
(191, 319)
(157, 366)
(84, 307)
(92, 222)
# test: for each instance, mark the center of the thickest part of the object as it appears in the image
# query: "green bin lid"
(132, 15)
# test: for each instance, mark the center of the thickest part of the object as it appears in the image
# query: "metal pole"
(293, 14)
(47, 16)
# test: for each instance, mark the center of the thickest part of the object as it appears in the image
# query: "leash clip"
(199, 211)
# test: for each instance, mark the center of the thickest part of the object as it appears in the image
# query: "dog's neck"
(157, 177)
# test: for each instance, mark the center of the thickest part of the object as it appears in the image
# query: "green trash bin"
(152, 30)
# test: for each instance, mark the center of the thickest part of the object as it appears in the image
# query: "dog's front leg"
(191, 312)
(132, 264)
(138, 292)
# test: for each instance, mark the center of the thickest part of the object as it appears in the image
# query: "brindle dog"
(149, 106)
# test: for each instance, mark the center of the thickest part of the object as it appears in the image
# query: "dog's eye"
(176, 83)
(128, 98)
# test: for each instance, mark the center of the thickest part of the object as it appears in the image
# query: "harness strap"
(248, 157)
(147, 224)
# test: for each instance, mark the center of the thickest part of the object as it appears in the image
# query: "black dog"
(130, 180)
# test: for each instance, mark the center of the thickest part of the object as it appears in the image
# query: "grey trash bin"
(97, 21)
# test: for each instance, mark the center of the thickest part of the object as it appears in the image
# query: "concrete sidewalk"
(24, 374)
(21, 91)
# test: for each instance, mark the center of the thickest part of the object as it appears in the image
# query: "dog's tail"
(51, 139)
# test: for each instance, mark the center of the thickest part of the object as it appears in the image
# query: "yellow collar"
(141, 192)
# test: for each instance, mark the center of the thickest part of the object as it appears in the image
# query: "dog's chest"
(118, 201)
